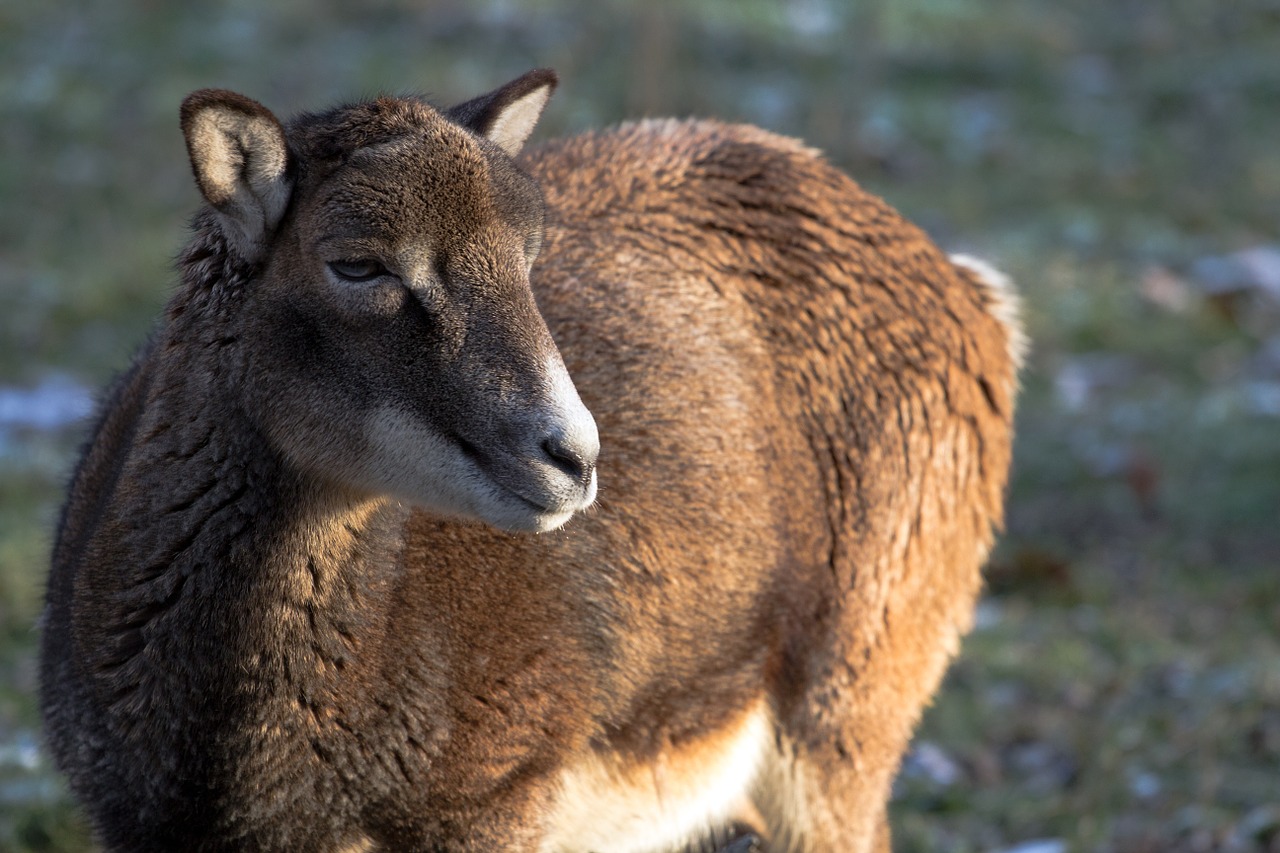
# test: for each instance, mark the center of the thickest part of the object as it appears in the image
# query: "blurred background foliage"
(1120, 158)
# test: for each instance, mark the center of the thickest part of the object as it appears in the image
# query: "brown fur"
(804, 412)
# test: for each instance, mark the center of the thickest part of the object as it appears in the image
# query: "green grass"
(1123, 694)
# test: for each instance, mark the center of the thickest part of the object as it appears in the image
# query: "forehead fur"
(338, 133)
(422, 170)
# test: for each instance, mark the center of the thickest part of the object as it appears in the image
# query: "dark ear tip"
(531, 81)
(542, 77)
(203, 99)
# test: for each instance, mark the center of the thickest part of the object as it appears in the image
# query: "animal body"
(614, 496)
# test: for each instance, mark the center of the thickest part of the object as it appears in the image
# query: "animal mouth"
(484, 462)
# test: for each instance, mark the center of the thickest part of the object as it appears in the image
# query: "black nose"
(564, 455)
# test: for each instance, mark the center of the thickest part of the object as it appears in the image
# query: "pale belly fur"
(609, 806)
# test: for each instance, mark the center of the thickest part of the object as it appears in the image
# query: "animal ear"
(507, 115)
(240, 159)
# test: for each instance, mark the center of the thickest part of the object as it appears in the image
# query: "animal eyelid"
(362, 269)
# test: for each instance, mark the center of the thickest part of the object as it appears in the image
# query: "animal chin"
(536, 505)
(525, 496)
(507, 510)
(543, 522)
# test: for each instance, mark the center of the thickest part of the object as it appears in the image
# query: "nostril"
(568, 458)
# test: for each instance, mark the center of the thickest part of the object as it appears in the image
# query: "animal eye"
(363, 269)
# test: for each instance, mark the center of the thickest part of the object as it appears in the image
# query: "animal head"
(388, 334)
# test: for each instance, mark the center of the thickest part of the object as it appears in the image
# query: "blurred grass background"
(1122, 689)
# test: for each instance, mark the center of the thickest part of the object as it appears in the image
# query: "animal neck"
(213, 528)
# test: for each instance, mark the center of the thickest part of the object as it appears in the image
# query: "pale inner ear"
(512, 126)
(241, 164)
